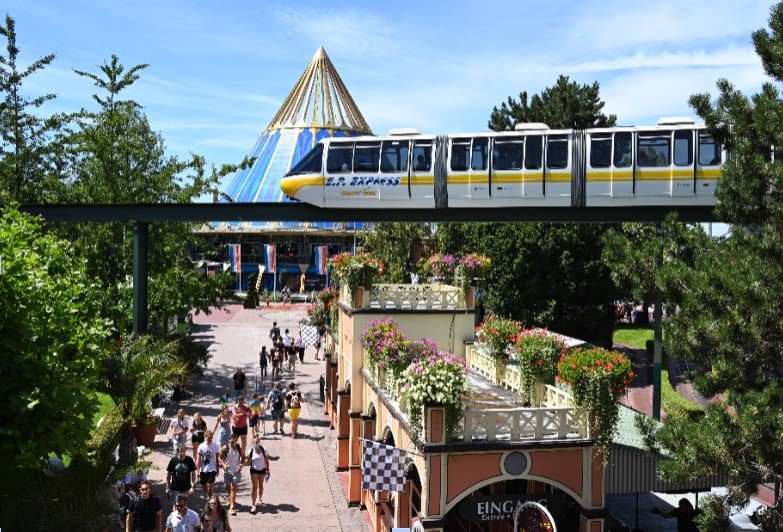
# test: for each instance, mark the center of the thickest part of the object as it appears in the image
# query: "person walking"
(275, 402)
(288, 342)
(180, 474)
(274, 332)
(300, 347)
(258, 459)
(231, 458)
(257, 415)
(207, 464)
(220, 520)
(179, 429)
(319, 342)
(238, 380)
(198, 430)
(277, 360)
(182, 519)
(263, 361)
(145, 513)
(294, 402)
(223, 423)
(684, 514)
(240, 414)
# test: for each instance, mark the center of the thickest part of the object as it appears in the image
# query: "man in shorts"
(238, 380)
(231, 458)
(208, 464)
(275, 403)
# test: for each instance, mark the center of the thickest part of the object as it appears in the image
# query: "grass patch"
(675, 405)
(105, 404)
(632, 335)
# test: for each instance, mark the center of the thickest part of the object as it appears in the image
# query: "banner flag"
(383, 467)
(321, 259)
(235, 257)
(270, 259)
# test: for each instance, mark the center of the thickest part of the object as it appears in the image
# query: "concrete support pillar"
(343, 430)
(355, 459)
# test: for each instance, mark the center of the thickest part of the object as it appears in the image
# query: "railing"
(484, 364)
(521, 424)
(413, 297)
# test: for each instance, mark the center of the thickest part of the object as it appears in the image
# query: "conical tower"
(318, 106)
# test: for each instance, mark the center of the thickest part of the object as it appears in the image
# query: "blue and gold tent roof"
(319, 106)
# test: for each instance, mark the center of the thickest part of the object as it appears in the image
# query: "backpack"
(295, 400)
(277, 401)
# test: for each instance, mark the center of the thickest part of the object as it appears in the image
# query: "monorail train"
(673, 163)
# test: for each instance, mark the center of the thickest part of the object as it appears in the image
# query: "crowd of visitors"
(224, 448)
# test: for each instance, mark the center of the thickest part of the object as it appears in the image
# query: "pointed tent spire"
(320, 99)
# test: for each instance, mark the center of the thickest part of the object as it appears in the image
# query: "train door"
(535, 184)
(422, 174)
(339, 160)
(394, 170)
(622, 164)
(508, 178)
(459, 164)
(683, 173)
(708, 164)
(558, 166)
(653, 163)
(479, 168)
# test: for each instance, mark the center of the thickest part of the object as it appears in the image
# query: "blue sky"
(219, 71)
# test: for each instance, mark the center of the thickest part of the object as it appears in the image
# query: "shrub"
(538, 353)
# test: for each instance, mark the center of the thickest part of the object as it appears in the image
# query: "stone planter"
(145, 434)
(358, 297)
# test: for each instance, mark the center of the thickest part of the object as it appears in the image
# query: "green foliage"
(714, 513)
(353, 271)
(495, 335)
(563, 106)
(386, 344)
(28, 157)
(545, 275)
(140, 368)
(322, 313)
(392, 244)
(51, 337)
(674, 404)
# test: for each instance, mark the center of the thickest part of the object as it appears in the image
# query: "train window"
(557, 151)
(623, 149)
(338, 159)
(422, 154)
(460, 154)
(366, 157)
(310, 163)
(508, 154)
(478, 160)
(653, 148)
(601, 150)
(534, 149)
(709, 150)
(394, 156)
(683, 148)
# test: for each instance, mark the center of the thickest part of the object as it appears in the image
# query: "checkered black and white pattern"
(309, 334)
(383, 468)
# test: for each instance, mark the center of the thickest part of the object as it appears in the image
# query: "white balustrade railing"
(520, 424)
(416, 297)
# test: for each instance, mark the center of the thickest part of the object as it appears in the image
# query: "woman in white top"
(179, 429)
(258, 459)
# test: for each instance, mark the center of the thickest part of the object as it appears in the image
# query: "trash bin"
(322, 387)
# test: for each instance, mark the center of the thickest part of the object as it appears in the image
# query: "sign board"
(503, 507)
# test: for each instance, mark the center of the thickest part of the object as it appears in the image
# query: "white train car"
(673, 163)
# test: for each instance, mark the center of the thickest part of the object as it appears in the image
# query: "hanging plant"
(440, 378)
(471, 267)
(494, 335)
(538, 352)
(598, 378)
(440, 267)
(357, 270)
(386, 346)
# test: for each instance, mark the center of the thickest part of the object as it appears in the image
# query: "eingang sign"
(503, 507)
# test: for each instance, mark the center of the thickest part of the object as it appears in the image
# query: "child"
(255, 407)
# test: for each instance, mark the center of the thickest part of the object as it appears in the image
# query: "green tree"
(563, 106)
(545, 274)
(28, 161)
(730, 324)
(392, 243)
(118, 158)
(52, 340)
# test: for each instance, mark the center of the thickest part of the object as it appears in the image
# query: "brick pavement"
(303, 492)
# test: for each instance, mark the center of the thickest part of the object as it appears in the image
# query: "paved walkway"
(303, 492)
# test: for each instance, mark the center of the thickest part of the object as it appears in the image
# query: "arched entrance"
(491, 508)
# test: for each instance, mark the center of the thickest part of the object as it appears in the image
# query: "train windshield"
(310, 163)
